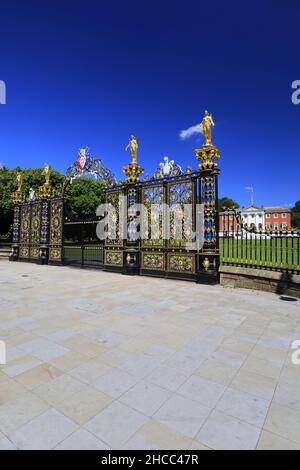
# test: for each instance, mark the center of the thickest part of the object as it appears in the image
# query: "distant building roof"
(277, 208)
(252, 208)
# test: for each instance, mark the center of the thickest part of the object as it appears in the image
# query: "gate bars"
(166, 257)
(38, 231)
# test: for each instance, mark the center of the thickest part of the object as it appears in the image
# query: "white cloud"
(187, 133)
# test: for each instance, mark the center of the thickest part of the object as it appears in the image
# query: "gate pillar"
(208, 256)
(131, 252)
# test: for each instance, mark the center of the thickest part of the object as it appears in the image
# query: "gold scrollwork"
(182, 263)
(55, 254)
(153, 261)
(113, 258)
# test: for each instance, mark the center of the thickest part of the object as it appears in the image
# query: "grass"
(277, 253)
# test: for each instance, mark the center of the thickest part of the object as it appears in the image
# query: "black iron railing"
(250, 246)
(83, 254)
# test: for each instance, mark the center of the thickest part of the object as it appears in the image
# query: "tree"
(83, 196)
(296, 215)
(227, 203)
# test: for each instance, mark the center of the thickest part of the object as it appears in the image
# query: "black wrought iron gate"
(170, 256)
(81, 247)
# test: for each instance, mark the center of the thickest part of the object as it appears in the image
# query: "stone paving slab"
(98, 360)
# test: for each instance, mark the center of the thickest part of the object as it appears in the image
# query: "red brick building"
(262, 218)
(277, 218)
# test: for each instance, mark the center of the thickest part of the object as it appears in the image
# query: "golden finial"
(133, 147)
(45, 189)
(208, 153)
(132, 170)
(18, 195)
(205, 127)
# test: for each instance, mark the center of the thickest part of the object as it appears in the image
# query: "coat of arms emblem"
(82, 159)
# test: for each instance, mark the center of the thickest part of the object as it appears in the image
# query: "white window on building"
(275, 215)
(267, 216)
(275, 226)
(283, 226)
(252, 215)
(284, 215)
(268, 226)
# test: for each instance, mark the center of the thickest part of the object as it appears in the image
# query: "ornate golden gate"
(38, 223)
(166, 256)
(37, 231)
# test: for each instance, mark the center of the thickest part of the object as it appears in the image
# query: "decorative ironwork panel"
(208, 199)
(154, 235)
(24, 251)
(131, 225)
(181, 263)
(25, 228)
(56, 233)
(25, 224)
(153, 261)
(35, 230)
(16, 224)
(179, 195)
(45, 222)
(113, 223)
(114, 258)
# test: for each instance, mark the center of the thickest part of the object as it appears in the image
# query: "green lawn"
(275, 253)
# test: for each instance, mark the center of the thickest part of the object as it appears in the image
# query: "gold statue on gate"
(19, 181)
(133, 147)
(205, 127)
(133, 169)
(47, 171)
(45, 189)
(18, 195)
(208, 153)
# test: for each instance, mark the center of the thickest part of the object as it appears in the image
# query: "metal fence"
(81, 246)
(86, 254)
(5, 244)
(245, 246)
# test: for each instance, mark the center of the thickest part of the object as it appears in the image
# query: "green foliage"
(227, 203)
(296, 215)
(83, 196)
(33, 178)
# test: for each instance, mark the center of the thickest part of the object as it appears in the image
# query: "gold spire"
(208, 153)
(133, 169)
(18, 194)
(46, 189)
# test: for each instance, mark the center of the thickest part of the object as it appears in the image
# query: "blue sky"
(93, 72)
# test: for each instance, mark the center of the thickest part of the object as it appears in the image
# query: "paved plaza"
(98, 360)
